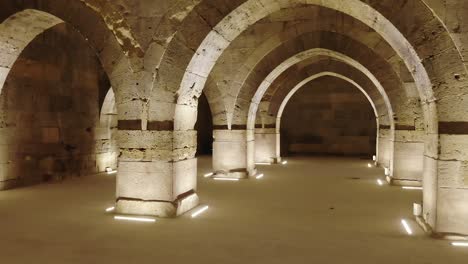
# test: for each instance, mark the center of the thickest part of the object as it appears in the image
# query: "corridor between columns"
(329, 119)
(328, 210)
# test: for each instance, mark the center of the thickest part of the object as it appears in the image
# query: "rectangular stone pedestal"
(231, 157)
(265, 145)
(158, 188)
(157, 208)
(408, 157)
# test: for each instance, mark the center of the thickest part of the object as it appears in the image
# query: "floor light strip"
(201, 210)
(226, 179)
(262, 163)
(110, 209)
(208, 175)
(460, 244)
(259, 176)
(138, 219)
(406, 226)
(411, 188)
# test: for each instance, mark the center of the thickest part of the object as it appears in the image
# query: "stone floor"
(312, 210)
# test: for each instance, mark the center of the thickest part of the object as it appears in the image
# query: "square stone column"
(385, 147)
(233, 153)
(408, 157)
(446, 186)
(265, 145)
(157, 173)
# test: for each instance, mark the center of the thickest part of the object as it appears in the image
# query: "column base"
(236, 173)
(438, 235)
(158, 208)
(404, 182)
(9, 184)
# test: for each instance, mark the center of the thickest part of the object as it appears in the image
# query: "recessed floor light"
(138, 219)
(225, 179)
(411, 188)
(110, 209)
(407, 227)
(460, 244)
(260, 176)
(208, 175)
(262, 163)
(199, 211)
(284, 162)
(380, 182)
(369, 165)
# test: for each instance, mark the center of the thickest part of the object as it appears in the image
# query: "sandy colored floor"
(286, 217)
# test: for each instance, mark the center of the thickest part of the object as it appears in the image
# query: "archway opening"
(204, 127)
(329, 116)
(51, 111)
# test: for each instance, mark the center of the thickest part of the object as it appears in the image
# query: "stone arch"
(304, 82)
(26, 22)
(107, 131)
(303, 56)
(284, 34)
(219, 38)
(33, 22)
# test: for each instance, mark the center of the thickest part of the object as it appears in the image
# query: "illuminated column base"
(158, 208)
(265, 146)
(231, 157)
(408, 158)
(9, 184)
(156, 188)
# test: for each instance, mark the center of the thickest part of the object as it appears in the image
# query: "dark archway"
(204, 127)
(329, 117)
(51, 110)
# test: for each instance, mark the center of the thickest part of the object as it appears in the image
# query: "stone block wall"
(328, 116)
(50, 112)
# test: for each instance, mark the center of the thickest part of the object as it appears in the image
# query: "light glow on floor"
(369, 165)
(200, 211)
(112, 172)
(259, 176)
(262, 163)
(411, 188)
(380, 182)
(406, 226)
(284, 162)
(110, 209)
(225, 179)
(460, 244)
(138, 219)
(208, 175)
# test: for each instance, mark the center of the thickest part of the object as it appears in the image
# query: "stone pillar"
(265, 145)
(385, 147)
(233, 153)
(408, 157)
(446, 195)
(157, 172)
